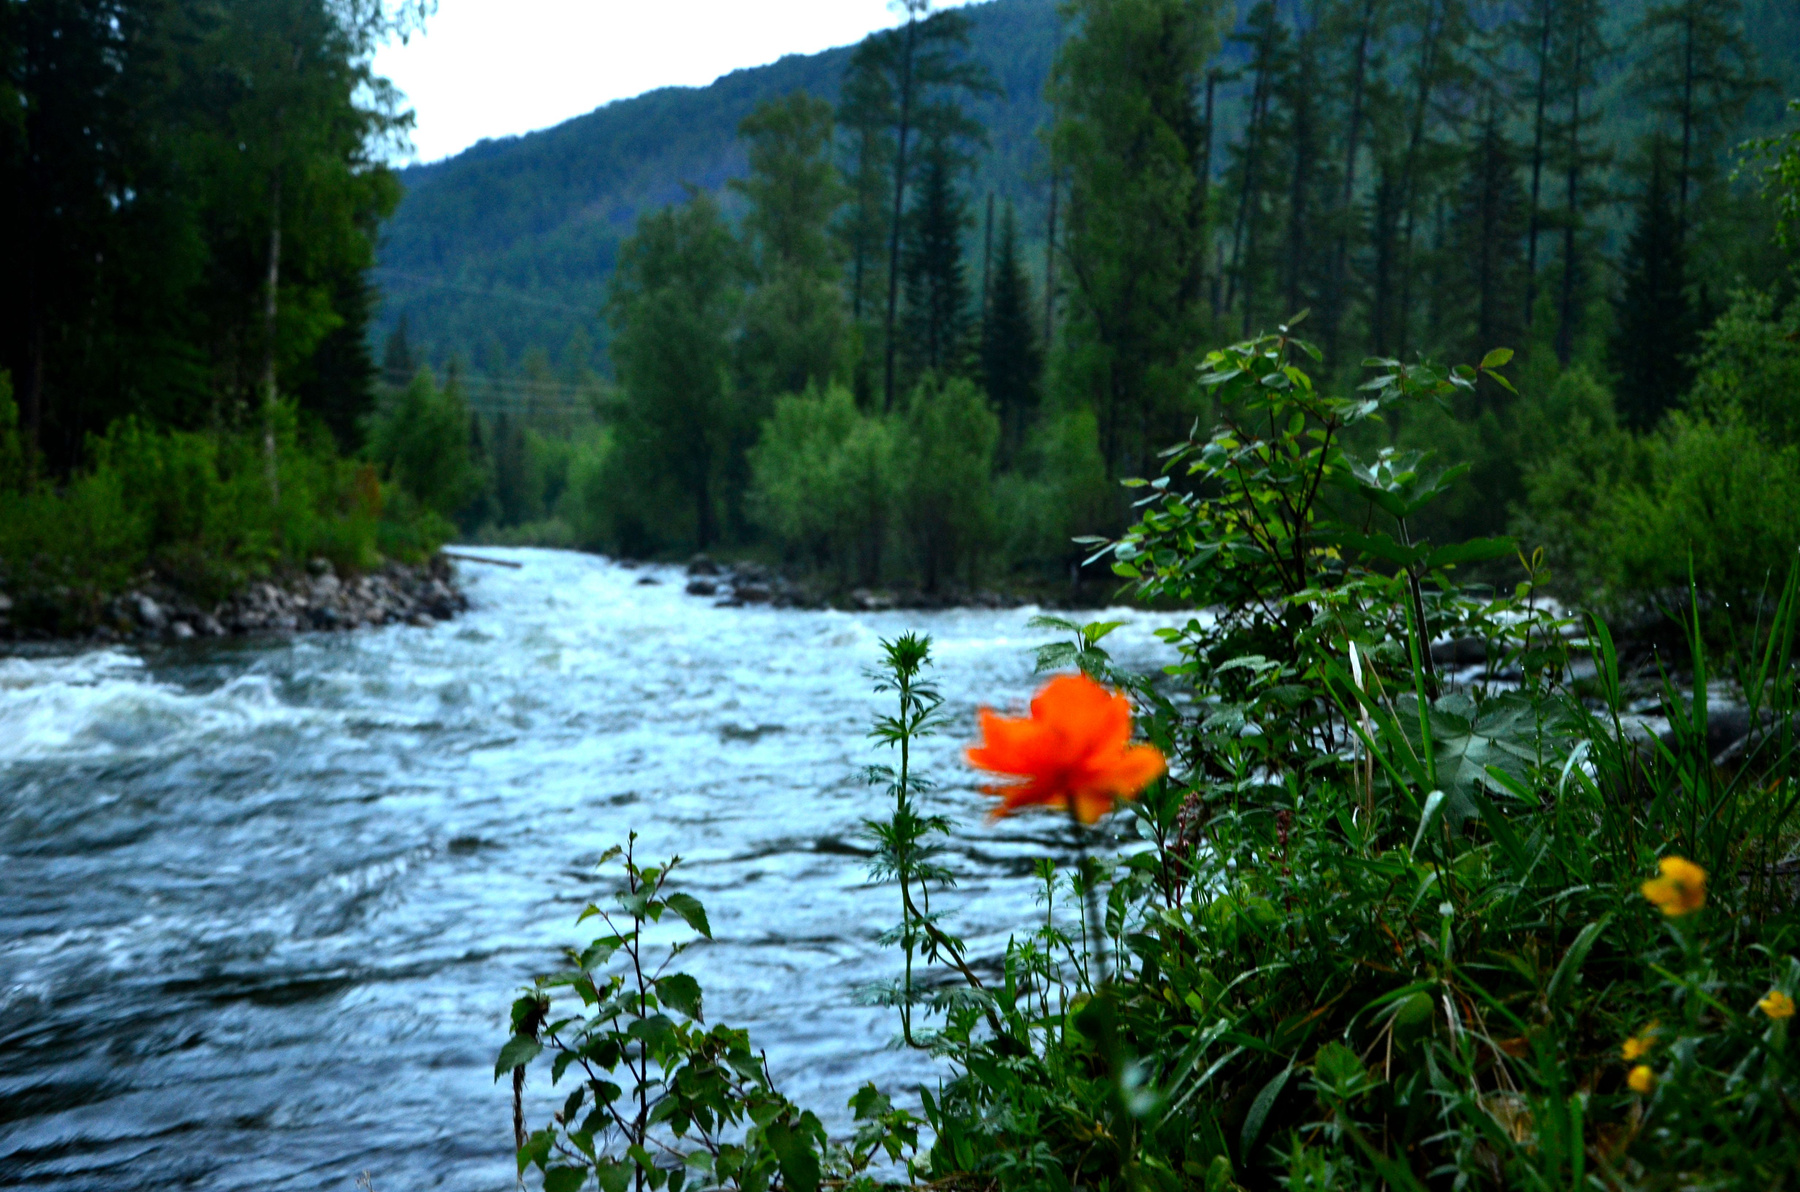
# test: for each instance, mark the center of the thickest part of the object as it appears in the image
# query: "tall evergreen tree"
(1656, 330)
(673, 305)
(937, 317)
(795, 326)
(1011, 363)
(1487, 248)
(1579, 52)
(1133, 249)
(910, 81)
(1699, 70)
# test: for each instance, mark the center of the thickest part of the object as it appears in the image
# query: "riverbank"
(741, 583)
(317, 599)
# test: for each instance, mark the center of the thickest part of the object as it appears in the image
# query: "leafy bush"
(1749, 368)
(1060, 494)
(946, 497)
(825, 480)
(420, 439)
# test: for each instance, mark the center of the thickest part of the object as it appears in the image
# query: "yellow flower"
(1639, 1045)
(1642, 1079)
(1777, 1005)
(1681, 890)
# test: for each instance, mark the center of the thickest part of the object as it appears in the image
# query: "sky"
(494, 68)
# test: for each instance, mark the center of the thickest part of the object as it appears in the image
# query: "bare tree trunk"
(1565, 329)
(1427, 73)
(893, 300)
(270, 397)
(1341, 253)
(1050, 265)
(1687, 114)
(1537, 163)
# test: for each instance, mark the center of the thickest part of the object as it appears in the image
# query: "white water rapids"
(263, 906)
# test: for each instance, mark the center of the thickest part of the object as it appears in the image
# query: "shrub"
(946, 494)
(420, 438)
(1059, 495)
(824, 482)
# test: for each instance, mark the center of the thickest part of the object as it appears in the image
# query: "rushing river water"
(263, 906)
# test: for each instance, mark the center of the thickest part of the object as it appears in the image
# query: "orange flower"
(1074, 751)
(1641, 1079)
(1639, 1045)
(1681, 890)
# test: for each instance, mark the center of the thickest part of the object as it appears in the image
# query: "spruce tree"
(1130, 141)
(1011, 363)
(1487, 234)
(936, 324)
(908, 83)
(1656, 331)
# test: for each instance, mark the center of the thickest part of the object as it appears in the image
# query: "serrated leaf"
(518, 1052)
(681, 993)
(689, 908)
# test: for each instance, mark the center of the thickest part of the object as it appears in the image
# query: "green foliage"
(12, 446)
(1012, 362)
(586, 504)
(1749, 368)
(1059, 492)
(1405, 946)
(672, 305)
(658, 1099)
(949, 434)
(1131, 140)
(795, 322)
(420, 439)
(1657, 328)
(825, 480)
(168, 145)
(197, 509)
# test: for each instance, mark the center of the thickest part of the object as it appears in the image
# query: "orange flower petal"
(1074, 751)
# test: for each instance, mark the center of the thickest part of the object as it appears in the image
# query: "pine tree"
(933, 268)
(908, 83)
(397, 361)
(1486, 247)
(1130, 141)
(1011, 363)
(1656, 330)
(795, 326)
(1700, 72)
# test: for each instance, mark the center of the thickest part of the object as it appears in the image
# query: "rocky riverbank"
(735, 585)
(320, 600)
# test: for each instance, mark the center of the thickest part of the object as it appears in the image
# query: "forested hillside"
(508, 245)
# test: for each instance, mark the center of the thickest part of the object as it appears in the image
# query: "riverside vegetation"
(1384, 923)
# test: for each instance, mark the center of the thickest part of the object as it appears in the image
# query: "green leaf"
(1259, 1112)
(1497, 358)
(1475, 550)
(689, 908)
(681, 993)
(564, 1179)
(799, 1162)
(1574, 958)
(518, 1052)
(1380, 545)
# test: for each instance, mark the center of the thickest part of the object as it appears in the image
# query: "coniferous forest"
(916, 307)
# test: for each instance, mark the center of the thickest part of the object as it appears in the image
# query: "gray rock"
(702, 587)
(319, 566)
(702, 565)
(181, 631)
(752, 594)
(6, 604)
(209, 625)
(326, 587)
(149, 613)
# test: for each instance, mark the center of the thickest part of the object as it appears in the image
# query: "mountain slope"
(509, 244)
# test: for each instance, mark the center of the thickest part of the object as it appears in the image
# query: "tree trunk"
(270, 397)
(893, 296)
(1421, 108)
(1537, 163)
(1341, 253)
(1687, 115)
(1050, 265)
(1565, 329)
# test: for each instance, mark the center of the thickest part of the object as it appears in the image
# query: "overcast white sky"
(490, 68)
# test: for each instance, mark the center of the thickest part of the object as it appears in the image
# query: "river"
(264, 905)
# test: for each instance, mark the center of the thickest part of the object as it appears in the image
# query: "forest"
(885, 355)
(915, 340)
